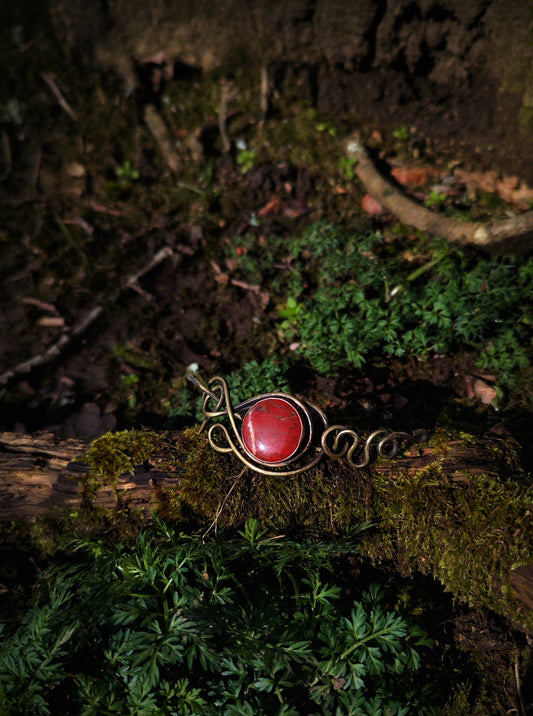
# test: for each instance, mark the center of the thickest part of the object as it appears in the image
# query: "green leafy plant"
(451, 301)
(326, 127)
(126, 176)
(245, 159)
(171, 623)
(290, 312)
(349, 298)
(128, 384)
(401, 133)
(255, 259)
(347, 167)
(254, 378)
(127, 171)
(435, 199)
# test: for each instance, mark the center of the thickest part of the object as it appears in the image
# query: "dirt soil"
(115, 274)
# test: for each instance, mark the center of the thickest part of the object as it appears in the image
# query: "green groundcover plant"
(347, 298)
(239, 624)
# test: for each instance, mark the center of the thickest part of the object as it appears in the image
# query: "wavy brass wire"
(224, 407)
(280, 472)
(346, 442)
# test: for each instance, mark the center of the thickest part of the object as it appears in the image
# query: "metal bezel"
(305, 418)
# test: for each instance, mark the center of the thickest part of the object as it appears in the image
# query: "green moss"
(465, 532)
(203, 478)
(442, 440)
(115, 454)
(217, 487)
(464, 528)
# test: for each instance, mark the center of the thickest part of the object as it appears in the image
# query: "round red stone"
(272, 430)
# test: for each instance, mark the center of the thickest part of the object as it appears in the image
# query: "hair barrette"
(278, 434)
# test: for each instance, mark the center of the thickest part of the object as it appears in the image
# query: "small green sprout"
(127, 171)
(347, 167)
(401, 134)
(435, 199)
(290, 313)
(246, 159)
(128, 385)
(326, 127)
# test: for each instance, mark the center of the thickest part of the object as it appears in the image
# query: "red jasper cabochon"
(272, 430)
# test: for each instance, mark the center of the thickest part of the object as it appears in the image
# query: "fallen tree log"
(458, 508)
(42, 475)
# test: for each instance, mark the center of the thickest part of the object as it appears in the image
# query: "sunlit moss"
(464, 528)
(115, 454)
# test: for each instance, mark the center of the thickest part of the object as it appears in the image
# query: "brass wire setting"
(318, 438)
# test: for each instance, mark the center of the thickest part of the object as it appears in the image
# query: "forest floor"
(143, 234)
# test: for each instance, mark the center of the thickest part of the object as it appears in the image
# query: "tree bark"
(40, 477)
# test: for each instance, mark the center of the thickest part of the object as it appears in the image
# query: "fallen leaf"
(511, 190)
(293, 209)
(76, 170)
(486, 181)
(232, 264)
(477, 388)
(371, 206)
(486, 393)
(414, 176)
(271, 207)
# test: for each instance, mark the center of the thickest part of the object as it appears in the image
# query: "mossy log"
(460, 508)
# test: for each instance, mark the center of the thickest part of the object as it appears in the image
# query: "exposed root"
(161, 134)
(229, 93)
(514, 236)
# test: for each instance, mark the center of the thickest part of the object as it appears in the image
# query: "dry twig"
(161, 134)
(229, 93)
(522, 706)
(54, 350)
(214, 523)
(47, 77)
(264, 92)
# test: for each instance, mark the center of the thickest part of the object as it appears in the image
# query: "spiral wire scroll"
(342, 443)
(217, 390)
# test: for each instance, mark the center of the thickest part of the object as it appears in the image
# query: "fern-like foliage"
(242, 624)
